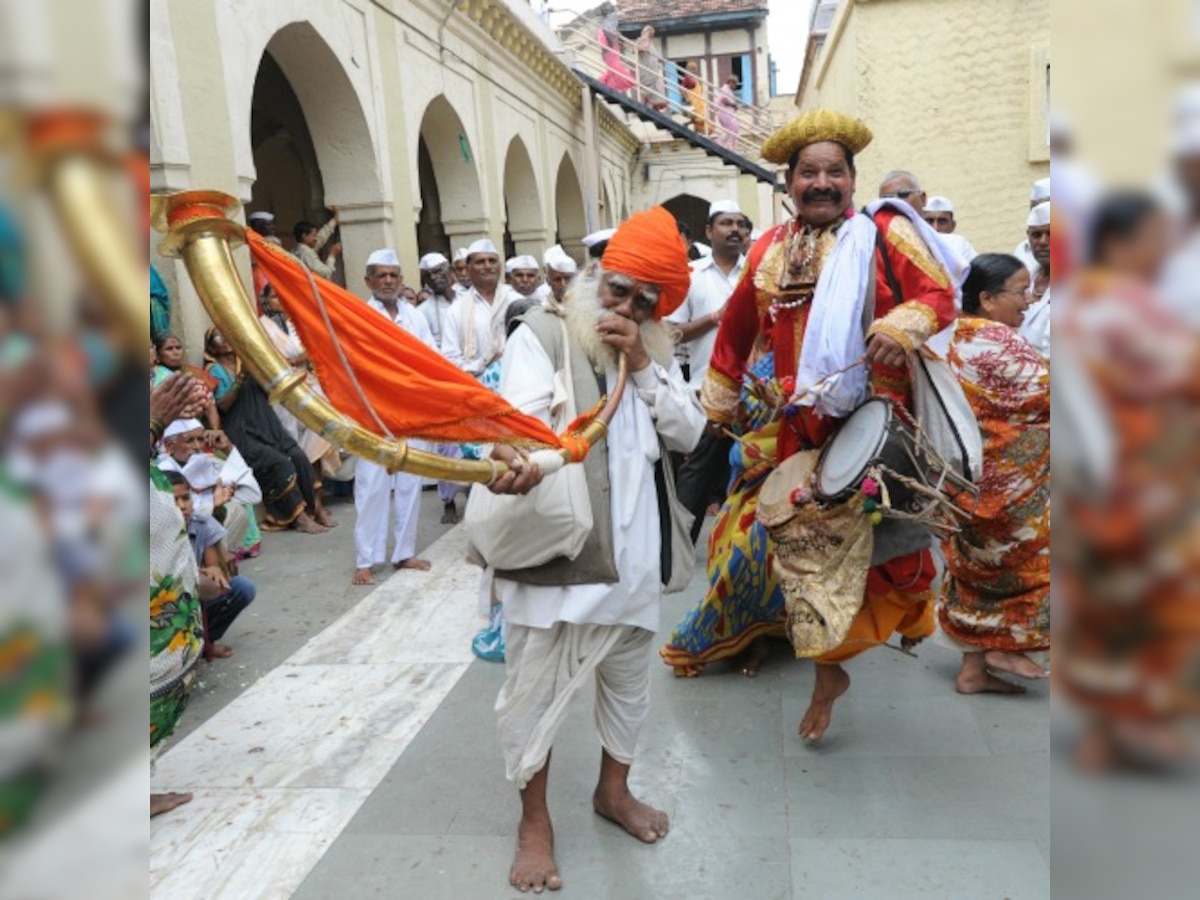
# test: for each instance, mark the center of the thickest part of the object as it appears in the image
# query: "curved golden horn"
(199, 230)
(66, 148)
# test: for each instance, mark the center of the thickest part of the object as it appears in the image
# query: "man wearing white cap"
(522, 274)
(560, 269)
(374, 486)
(1036, 326)
(263, 223)
(1038, 194)
(705, 473)
(474, 338)
(597, 241)
(462, 280)
(437, 277)
(939, 213)
(225, 489)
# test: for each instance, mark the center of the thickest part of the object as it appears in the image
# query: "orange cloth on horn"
(649, 247)
(412, 388)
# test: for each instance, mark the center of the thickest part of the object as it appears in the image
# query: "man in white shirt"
(705, 474)
(570, 620)
(309, 241)
(522, 274)
(374, 486)
(225, 489)
(560, 269)
(1036, 326)
(939, 213)
(438, 278)
(1038, 194)
(474, 338)
(462, 281)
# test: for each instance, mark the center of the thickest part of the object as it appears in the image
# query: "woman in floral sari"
(995, 602)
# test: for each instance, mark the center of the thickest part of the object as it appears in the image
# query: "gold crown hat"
(813, 127)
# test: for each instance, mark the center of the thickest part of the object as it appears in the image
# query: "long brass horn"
(198, 229)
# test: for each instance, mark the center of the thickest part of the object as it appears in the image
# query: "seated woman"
(168, 360)
(995, 603)
(291, 491)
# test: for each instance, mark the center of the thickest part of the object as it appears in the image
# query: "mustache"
(812, 195)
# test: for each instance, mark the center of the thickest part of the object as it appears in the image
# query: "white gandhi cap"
(385, 257)
(723, 207)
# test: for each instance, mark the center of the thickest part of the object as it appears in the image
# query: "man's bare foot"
(832, 682)
(362, 576)
(414, 562)
(324, 518)
(1014, 663)
(756, 654)
(306, 524)
(222, 651)
(450, 514)
(161, 803)
(645, 823)
(533, 867)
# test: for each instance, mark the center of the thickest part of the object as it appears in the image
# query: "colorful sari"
(176, 623)
(288, 480)
(744, 599)
(996, 594)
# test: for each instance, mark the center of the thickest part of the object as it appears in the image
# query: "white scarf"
(499, 306)
(834, 337)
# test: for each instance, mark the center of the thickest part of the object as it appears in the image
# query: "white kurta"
(709, 292)
(1036, 326)
(656, 402)
(204, 470)
(474, 337)
(436, 310)
(374, 486)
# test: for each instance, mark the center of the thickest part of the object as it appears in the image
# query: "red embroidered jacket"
(927, 307)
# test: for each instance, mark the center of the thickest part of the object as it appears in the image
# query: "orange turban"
(649, 247)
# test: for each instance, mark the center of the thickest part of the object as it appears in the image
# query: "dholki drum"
(880, 441)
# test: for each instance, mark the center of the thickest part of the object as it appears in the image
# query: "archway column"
(462, 232)
(531, 241)
(366, 227)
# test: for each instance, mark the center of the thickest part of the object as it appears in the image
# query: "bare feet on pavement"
(450, 514)
(161, 803)
(645, 823)
(306, 524)
(974, 678)
(414, 562)
(222, 651)
(362, 576)
(832, 682)
(1014, 663)
(755, 655)
(533, 867)
(325, 519)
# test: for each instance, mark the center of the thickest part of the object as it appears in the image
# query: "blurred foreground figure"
(1127, 419)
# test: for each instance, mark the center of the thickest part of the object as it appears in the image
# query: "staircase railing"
(741, 127)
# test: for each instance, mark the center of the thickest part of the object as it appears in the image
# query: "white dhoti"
(547, 667)
(237, 525)
(373, 488)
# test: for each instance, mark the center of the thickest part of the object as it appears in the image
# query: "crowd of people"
(741, 367)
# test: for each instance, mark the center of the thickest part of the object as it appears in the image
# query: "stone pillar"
(366, 227)
(532, 241)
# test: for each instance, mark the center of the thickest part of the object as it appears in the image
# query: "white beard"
(583, 310)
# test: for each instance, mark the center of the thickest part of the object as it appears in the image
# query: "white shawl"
(834, 337)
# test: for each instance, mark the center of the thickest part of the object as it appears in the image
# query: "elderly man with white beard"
(596, 615)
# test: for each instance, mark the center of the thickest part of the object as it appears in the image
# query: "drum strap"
(889, 275)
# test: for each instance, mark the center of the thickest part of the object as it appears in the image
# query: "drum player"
(838, 299)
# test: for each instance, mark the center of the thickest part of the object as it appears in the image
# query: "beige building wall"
(954, 90)
(371, 80)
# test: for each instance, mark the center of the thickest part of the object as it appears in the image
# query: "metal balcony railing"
(659, 83)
